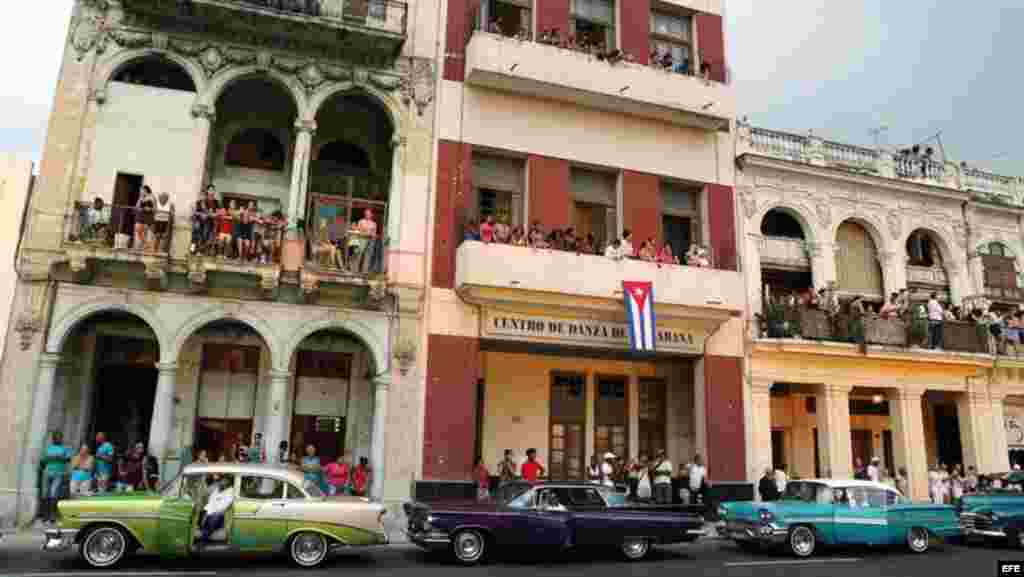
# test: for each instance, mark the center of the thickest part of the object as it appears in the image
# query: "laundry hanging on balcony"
(639, 298)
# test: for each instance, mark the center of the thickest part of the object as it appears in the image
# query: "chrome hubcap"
(635, 549)
(469, 546)
(309, 548)
(104, 547)
(802, 541)
(918, 539)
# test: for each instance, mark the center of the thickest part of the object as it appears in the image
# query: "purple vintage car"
(559, 515)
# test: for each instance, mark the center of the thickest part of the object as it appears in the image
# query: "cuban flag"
(639, 297)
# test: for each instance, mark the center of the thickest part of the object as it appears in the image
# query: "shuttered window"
(858, 268)
(593, 187)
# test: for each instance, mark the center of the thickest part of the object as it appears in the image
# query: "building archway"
(784, 256)
(927, 261)
(157, 71)
(858, 269)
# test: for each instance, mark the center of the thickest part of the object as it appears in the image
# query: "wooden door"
(653, 411)
(321, 401)
(778, 448)
(890, 462)
(568, 418)
(861, 446)
(126, 194)
(817, 456)
(857, 266)
(611, 417)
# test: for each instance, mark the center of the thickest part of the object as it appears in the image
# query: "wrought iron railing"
(119, 227)
(253, 239)
(339, 238)
(388, 15)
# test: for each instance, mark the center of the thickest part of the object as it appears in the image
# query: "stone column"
(974, 415)
(276, 416)
(589, 446)
(752, 259)
(203, 115)
(908, 439)
(92, 112)
(28, 483)
(300, 172)
(1000, 459)
(161, 427)
(834, 432)
(393, 226)
(633, 407)
(760, 427)
(380, 410)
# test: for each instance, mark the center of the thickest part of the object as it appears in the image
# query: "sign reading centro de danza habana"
(584, 332)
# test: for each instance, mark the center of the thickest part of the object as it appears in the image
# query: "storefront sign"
(585, 332)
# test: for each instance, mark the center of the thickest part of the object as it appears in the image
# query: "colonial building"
(866, 223)
(146, 319)
(602, 116)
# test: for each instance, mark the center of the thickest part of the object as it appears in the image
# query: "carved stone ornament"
(385, 82)
(824, 214)
(895, 225)
(416, 83)
(960, 234)
(212, 60)
(405, 355)
(27, 326)
(131, 39)
(88, 33)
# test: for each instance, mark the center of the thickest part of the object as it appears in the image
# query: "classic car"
(273, 511)
(822, 512)
(558, 515)
(995, 514)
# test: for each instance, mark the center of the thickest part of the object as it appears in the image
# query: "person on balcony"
(246, 214)
(487, 229)
(502, 231)
(99, 225)
(936, 318)
(325, 246)
(647, 251)
(144, 208)
(225, 229)
(891, 309)
(272, 229)
(162, 221)
(365, 232)
(665, 255)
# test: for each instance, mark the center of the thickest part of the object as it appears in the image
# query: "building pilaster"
(300, 172)
(161, 427)
(37, 433)
(380, 413)
(907, 419)
(834, 432)
(276, 415)
(760, 427)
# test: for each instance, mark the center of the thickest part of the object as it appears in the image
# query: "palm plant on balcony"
(918, 326)
(775, 318)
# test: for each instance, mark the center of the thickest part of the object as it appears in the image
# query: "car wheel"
(636, 549)
(307, 549)
(104, 547)
(918, 539)
(802, 541)
(469, 547)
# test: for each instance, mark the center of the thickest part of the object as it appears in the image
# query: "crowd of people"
(144, 226)
(236, 232)
(91, 470)
(489, 230)
(594, 46)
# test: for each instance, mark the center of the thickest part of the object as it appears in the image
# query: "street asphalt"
(20, 555)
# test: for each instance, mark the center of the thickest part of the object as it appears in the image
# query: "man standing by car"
(608, 470)
(662, 476)
(766, 486)
(532, 469)
(697, 474)
(220, 501)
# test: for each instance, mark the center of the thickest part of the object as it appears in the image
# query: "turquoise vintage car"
(821, 512)
(273, 510)
(997, 514)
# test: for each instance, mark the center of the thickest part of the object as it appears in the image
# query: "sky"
(842, 68)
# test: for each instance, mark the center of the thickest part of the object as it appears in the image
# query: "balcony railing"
(120, 228)
(985, 186)
(781, 251)
(339, 241)
(223, 236)
(818, 325)
(927, 275)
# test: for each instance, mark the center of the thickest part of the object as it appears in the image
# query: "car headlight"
(993, 516)
(766, 516)
(722, 512)
(428, 523)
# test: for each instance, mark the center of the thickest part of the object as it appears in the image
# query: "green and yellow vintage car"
(274, 510)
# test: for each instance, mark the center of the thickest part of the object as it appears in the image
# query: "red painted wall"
(711, 43)
(641, 205)
(726, 436)
(449, 430)
(455, 48)
(453, 202)
(549, 191)
(552, 14)
(722, 222)
(635, 21)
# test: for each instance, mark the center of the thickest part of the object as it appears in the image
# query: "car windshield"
(313, 489)
(524, 500)
(807, 492)
(613, 498)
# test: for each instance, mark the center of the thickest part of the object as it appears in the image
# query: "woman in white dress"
(934, 484)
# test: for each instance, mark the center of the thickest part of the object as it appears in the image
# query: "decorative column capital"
(305, 126)
(99, 96)
(761, 385)
(49, 360)
(382, 383)
(399, 142)
(203, 111)
(167, 368)
(276, 375)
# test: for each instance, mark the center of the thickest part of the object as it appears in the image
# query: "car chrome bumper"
(57, 540)
(989, 533)
(431, 540)
(767, 533)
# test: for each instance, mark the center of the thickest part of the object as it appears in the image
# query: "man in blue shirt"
(104, 463)
(55, 462)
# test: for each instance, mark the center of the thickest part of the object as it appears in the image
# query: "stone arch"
(223, 80)
(233, 129)
(219, 313)
(870, 223)
(64, 326)
(376, 344)
(389, 105)
(982, 247)
(941, 239)
(113, 65)
(795, 210)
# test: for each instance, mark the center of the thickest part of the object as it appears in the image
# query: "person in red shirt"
(360, 475)
(532, 470)
(487, 229)
(483, 480)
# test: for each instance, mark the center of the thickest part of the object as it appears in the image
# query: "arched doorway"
(785, 262)
(332, 400)
(349, 184)
(221, 398)
(251, 153)
(926, 266)
(107, 381)
(858, 271)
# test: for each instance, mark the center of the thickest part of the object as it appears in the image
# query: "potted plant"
(918, 326)
(775, 317)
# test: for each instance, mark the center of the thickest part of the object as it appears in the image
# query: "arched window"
(781, 224)
(922, 250)
(857, 265)
(998, 249)
(255, 148)
(156, 72)
(1000, 269)
(345, 156)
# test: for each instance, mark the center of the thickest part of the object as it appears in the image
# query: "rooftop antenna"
(877, 133)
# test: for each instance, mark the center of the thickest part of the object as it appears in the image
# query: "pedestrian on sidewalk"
(338, 476)
(697, 483)
(104, 463)
(661, 474)
(82, 466)
(361, 477)
(54, 460)
(483, 480)
(507, 467)
(311, 469)
(766, 486)
(532, 470)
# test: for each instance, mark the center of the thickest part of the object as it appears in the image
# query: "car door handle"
(277, 504)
